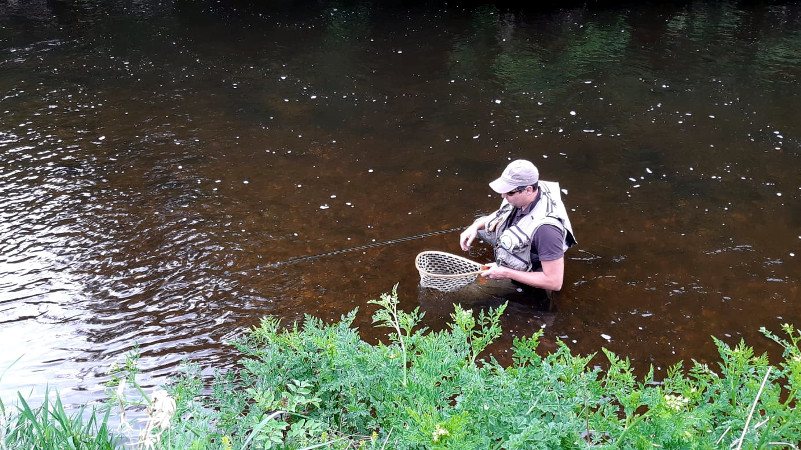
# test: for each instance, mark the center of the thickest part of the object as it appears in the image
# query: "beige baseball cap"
(518, 173)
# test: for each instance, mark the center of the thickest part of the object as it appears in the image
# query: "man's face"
(519, 197)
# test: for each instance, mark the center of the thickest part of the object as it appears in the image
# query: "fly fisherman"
(530, 232)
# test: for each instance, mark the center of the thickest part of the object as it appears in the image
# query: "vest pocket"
(513, 249)
(513, 239)
(511, 260)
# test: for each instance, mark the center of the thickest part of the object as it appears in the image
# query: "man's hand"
(550, 277)
(469, 234)
(493, 271)
(467, 237)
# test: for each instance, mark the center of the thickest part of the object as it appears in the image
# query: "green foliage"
(312, 385)
(49, 426)
(316, 384)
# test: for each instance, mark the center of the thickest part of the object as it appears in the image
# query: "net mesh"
(445, 271)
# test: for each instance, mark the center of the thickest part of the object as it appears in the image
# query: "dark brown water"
(156, 160)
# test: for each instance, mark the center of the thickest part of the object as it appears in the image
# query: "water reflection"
(154, 171)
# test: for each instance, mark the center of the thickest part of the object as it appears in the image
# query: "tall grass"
(49, 426)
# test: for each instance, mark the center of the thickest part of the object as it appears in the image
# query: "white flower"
(162, 409)
(676, 402)
(121, 389)
(439, 432)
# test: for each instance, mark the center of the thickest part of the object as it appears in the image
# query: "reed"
(49, 426)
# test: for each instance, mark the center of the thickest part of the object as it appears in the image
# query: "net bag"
(445, 271)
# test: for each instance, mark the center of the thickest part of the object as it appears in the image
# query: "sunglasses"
(511, 193)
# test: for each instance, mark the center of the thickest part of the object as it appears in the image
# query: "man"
(530, 232)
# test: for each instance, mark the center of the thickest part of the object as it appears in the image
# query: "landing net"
(445, 271)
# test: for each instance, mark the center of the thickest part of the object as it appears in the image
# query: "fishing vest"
(513, 244)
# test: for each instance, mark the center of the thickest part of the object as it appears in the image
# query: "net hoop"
(446, 271)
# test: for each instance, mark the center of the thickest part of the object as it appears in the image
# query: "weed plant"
(317, 385)
(50, 427)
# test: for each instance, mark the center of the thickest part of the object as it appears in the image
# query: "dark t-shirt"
(548, 243)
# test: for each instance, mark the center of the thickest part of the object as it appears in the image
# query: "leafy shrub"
(313, 384)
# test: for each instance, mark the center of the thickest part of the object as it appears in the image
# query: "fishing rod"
(351, 249)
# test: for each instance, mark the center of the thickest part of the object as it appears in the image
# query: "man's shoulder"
(548, 241)
(549, 231)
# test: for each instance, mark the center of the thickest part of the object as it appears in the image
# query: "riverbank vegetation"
(316, 385)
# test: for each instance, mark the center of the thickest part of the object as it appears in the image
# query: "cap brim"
(501, 186)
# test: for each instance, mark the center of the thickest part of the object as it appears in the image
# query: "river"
(164, 163)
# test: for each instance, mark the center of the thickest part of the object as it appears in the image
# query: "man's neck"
(527, 209)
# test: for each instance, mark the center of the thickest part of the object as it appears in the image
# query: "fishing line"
(361, 247)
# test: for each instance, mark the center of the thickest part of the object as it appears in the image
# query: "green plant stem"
(396, 324)
(637, 420)
(324, 444)
(259, 427)
(753, 407)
